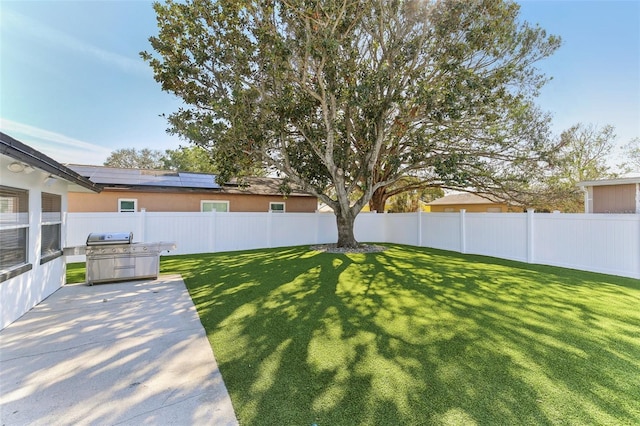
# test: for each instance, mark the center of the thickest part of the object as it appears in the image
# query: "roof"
(114, 176)
(145, 179)
(25, 154)
(461, 198)
(605, 182)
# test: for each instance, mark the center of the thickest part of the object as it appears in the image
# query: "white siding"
(22, 292)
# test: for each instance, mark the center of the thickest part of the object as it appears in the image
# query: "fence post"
(463, 230)
(317, 234)
(385, 225)
(420, 227)
(269, 228)
(142, 225)
(530, 246)
(213, 223)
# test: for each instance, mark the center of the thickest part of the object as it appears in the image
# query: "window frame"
(51, 206)
(284, 206)
(203, 202)
(16, 204)
(128, 200)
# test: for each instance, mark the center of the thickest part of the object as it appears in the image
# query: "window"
(276, 207)
(51, 227)
(494, 210)
(214, 206)
(127, 205)
(449, 210)
(14, 230)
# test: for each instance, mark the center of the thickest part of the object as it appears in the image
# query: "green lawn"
(414, 336)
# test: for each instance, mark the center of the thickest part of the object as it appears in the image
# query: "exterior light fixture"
(49, 180)
(16, 167)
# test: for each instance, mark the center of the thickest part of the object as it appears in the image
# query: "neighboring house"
(471, 203)
(131, 190)
(612, 195)
(33, 203)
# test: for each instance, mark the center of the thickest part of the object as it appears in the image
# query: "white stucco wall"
(21, 293)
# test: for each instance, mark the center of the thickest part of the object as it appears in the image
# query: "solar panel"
(116, 176)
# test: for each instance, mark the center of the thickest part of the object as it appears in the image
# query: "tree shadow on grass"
(416, 336)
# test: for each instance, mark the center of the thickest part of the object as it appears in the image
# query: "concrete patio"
(123, 353)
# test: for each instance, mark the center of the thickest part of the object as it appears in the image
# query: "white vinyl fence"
(591, 242)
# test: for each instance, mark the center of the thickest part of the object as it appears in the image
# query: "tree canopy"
(188, 159)
(583, 154)
(185, 159)
(631, 152)
(347, 97)
(132, 158)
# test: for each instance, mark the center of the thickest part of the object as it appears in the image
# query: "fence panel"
(242, 231)
(80, 225)
(497, 234)
(327, 230)
(190, 231)
(600, 243)
(402, 228)
(441, 231)
(370, 227)
(293, 229)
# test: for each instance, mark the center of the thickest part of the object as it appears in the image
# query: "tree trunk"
(346, 238)
(378, 200)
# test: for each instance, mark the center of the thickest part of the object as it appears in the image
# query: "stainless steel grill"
(113, 256)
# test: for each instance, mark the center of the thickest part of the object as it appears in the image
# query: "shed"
(33, 203)
(621, 195)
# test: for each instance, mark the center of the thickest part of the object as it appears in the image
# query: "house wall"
(107, 201)
(614, 199)
(21, 293)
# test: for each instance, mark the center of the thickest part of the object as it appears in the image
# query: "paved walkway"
(112, 354)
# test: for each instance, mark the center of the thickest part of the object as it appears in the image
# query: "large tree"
(349, 97)
(188, 159)
(132, 158)
(584, 152)
(631, 152)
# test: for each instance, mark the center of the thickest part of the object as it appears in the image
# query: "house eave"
(25, 154)
(609, 182)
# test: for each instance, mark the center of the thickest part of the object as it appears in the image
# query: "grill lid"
(106, 238)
